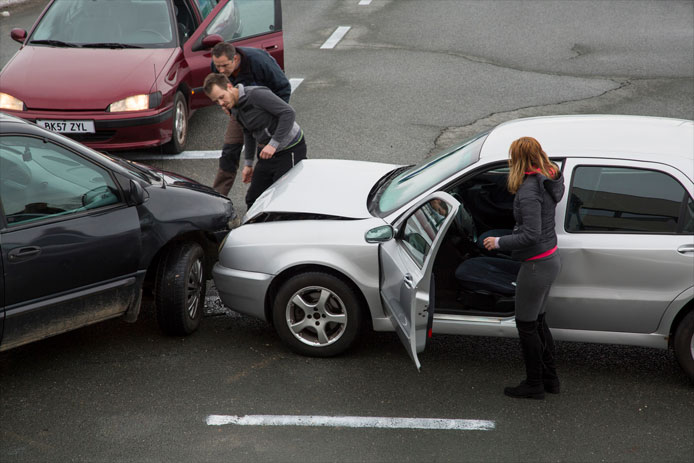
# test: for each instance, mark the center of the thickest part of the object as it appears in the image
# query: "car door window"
(620, 199)
(205, 6)
(421, 229)
(240, 19)
(41, 180)
(185, 20)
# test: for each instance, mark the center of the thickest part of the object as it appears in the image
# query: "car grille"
(101, 135)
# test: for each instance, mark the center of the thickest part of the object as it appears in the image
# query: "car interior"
(469, 279)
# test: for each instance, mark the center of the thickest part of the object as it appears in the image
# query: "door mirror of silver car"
(380, 234)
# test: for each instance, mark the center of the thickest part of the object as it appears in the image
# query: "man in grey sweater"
(268, 123)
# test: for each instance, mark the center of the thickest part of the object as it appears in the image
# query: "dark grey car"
(82, 234)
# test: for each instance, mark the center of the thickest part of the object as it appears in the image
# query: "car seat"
(487, 284)
(494, 275)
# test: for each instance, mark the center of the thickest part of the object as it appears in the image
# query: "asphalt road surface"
(409, 77)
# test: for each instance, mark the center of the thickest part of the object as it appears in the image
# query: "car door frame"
(194, 53)
(34, 318)
(565, 295)
(412, 319)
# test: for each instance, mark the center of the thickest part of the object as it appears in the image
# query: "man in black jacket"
(268, 123)
(250, 67)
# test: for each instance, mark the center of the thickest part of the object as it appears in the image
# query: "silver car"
(335, 247)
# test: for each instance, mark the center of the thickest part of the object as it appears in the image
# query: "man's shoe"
(552, 386)
(526, 391)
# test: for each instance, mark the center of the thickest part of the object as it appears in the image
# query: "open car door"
(406, 268)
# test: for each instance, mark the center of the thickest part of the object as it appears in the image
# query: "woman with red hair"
(538, 185)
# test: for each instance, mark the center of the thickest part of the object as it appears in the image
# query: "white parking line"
(365, 2)
(182, 155)
(295, 83)
(336, 37)
(351, 422)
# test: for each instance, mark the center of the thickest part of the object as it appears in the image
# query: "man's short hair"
(213, 79)
(224, 48)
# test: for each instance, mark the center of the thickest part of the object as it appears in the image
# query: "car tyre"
(317, 314)
(180, 289)
(179, 136)
(684, 344)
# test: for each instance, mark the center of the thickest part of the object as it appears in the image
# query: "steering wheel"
(153, 32)
(99, 193)
(466, 223)
(464, 220)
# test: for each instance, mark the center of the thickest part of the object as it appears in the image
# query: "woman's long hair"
(526, 155)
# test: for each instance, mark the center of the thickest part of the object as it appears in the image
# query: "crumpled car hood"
(323, 186)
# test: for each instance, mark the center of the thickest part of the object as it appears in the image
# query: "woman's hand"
(490, 243)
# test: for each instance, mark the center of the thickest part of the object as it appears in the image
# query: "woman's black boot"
(550, 379)
(531, 346)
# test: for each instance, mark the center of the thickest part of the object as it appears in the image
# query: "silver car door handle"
(686, 248)
(409, 282)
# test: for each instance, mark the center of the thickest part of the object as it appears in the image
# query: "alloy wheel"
(194, 288)
(316, 316)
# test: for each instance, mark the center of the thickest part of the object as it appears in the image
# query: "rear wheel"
(180, 289)
(684, 344)
(180, 126)
(317, 314)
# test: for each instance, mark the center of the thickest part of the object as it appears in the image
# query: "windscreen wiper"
(54, 43)
(109, 45)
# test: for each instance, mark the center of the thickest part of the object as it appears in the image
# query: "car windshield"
(106, 23)
(414, 181)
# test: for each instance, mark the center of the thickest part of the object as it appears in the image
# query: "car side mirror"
(380, 234)
(211, 40)
(136, 194)
(18, 35)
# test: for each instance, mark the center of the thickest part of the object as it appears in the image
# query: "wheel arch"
(205, 240)
(185, 90)
(288, 273)
(684, 311)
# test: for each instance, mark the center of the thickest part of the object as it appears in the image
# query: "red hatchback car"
(127, 74)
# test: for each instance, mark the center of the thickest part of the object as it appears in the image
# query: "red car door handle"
(23, 253)
(271, 47)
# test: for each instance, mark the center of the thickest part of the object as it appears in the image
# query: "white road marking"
(365, 2)
(295, 83)
(351, 422)
(336, 37)
(182, 155)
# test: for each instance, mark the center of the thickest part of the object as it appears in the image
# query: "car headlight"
(132, 103)
(10, 102)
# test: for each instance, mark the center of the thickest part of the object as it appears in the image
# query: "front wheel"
(180, 126)
(317, 314)
(684, 344)
(180, 289)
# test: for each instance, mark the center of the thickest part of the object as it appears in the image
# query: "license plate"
(67, 126)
